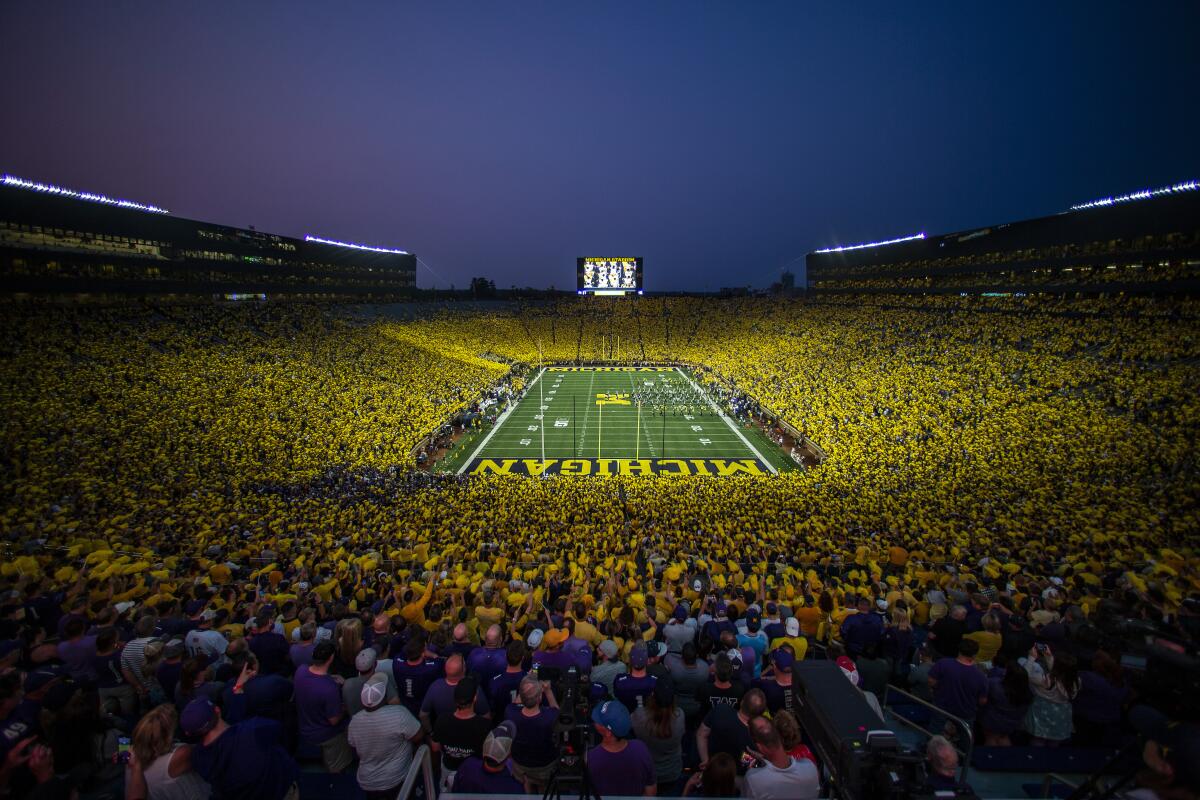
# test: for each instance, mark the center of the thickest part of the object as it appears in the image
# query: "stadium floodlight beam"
(47, 188)
(844, 248)
(319, 240)
(1144, 194)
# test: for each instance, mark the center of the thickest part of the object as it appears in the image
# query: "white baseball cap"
(374, 690)
(497, 747)
(792, 626)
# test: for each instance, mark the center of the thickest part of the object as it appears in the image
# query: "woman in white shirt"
(1055, 682)
(160, 769)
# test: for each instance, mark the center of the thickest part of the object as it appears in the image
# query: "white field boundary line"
(503, 418)
(729, 422)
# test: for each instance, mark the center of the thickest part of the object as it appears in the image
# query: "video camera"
(861, 754)
(572, 733)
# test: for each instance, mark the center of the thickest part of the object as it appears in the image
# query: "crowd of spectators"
(216, 546)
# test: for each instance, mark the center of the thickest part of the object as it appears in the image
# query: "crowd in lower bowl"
(201, 501)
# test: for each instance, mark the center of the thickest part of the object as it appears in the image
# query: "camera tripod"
(554, 787)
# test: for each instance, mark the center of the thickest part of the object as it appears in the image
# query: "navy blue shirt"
(859, 631)
(107, 670)
(775, 630)
(533, 746)
(472, 778)
(268, 696)
(167, 675)
(246, 762)
(633, 691)
(486, 662)
(271, 649)
(414, 680)
(502, 692)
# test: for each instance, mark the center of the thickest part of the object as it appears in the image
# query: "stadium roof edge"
(1174, 191)
(15, 182)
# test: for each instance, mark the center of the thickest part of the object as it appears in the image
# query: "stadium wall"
(57, 245)
(1040, 254)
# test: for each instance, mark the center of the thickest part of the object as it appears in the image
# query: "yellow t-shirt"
(989, 644)
(809, 618)
(799, 645)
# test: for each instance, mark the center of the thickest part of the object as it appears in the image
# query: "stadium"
(280, 522)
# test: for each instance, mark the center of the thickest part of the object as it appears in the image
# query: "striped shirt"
(133, 658)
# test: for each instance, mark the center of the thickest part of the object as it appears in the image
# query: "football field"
(618, 421)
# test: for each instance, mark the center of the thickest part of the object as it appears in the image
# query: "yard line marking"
(587, 410)
(729, 422)
(499, 423)
(649, 438)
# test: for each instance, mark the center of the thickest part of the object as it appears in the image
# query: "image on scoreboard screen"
(613, 275)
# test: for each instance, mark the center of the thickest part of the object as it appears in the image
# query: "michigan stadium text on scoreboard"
(609, 275)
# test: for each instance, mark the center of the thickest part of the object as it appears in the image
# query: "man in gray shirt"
(782, 776)
(689, 673)
(609, 667)
(679, 630)
(367, 665)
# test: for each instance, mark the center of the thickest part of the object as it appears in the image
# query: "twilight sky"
(719, 140)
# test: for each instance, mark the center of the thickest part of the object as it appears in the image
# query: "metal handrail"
(969, 737)
(422, 764)
(1051, 778)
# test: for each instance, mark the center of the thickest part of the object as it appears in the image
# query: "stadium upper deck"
(1146, 245)
(55, 242)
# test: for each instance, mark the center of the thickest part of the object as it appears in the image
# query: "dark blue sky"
(719, 140)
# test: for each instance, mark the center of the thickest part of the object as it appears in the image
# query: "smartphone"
(123, 743)
(750, 760)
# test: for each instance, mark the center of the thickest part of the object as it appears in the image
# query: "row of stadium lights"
(47, 188)
(1144, 194)
(319, 240)
(12, 180)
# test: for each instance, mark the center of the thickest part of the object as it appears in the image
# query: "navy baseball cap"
(614, 716)
(638, 656)
(782, 659)
(198, 718)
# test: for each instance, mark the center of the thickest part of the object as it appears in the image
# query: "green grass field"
(617, 420)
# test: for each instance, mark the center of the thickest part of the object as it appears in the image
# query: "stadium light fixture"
(1144, 194)
(871, 244)
(46, 188)
(319, 240)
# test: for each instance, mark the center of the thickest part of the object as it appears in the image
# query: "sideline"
(729, 422)
(500, 420)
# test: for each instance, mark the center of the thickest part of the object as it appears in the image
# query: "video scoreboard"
(609, 275)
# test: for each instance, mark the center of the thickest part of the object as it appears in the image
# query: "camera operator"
(619, 765)
(533, 751)
(942, 759)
